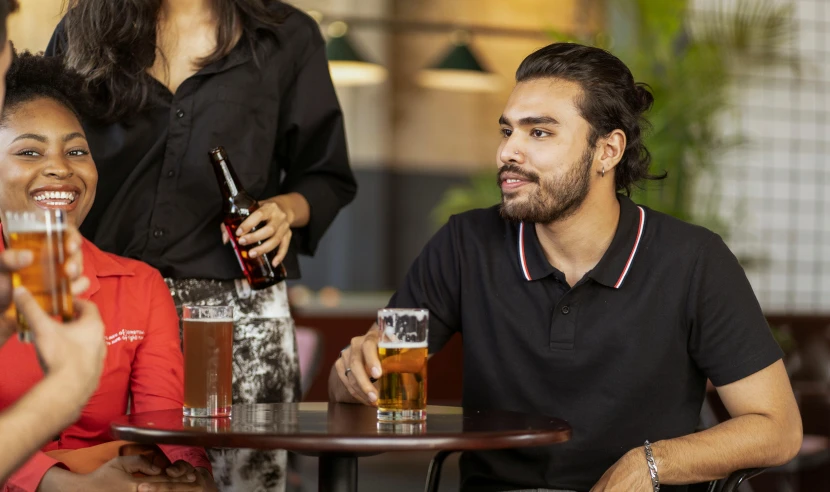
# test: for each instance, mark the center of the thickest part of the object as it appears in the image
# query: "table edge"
(346, 444)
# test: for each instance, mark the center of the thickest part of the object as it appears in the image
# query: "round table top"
(343, 428)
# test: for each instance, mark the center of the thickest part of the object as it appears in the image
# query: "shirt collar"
(615, 264)
(97, 264)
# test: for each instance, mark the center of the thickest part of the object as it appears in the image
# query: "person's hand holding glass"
(387, 367)
(44, 256)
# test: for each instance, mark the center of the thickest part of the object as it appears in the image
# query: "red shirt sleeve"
(157, 374)
(27, 478)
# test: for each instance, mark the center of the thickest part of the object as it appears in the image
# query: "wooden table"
(340, 433)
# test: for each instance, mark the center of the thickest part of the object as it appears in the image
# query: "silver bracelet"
(652, 467)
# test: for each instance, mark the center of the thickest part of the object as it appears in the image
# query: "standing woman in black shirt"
(174, 79)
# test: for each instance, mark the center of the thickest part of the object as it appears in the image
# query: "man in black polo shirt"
(577, 303)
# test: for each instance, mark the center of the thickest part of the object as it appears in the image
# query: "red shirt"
(144, 360)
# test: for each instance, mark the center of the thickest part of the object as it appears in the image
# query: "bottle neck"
(230, 183)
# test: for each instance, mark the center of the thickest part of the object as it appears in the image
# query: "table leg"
(337, 473)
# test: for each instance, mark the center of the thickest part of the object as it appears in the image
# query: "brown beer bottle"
(237, 205)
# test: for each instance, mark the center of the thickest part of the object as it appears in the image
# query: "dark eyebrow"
(73, 136)
(32, 136)
(530, 120)
(538, 120)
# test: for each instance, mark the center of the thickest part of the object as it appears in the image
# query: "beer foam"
(403, 345)
(419, 314)
(34, 226)
(209, 320)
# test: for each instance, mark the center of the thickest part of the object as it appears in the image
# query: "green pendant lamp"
(348, 68)
(460, 70)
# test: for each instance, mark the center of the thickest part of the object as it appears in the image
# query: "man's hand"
(199, 477)
(116, 475)
(10, 261)
(352, 370)
(73, 351)
(629, 474)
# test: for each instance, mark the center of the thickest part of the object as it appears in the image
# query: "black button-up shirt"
(274, 110)
(623, 355)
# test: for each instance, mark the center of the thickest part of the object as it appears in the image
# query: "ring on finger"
(348, 370)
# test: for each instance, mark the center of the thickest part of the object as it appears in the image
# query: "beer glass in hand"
(208, 352)
(402, 350)
(44, 234)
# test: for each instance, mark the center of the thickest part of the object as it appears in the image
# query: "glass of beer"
(208, 351)
(402, 350)
(44, 234)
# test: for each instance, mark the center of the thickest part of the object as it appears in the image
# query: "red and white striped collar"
(615, 265)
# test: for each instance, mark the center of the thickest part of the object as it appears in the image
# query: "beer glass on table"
(402, 350)
(44, 234)
(208, 352)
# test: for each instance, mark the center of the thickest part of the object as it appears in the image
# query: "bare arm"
(764, 431)
(36, 418)
(74, 356)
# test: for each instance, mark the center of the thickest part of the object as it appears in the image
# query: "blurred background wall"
(775, 188)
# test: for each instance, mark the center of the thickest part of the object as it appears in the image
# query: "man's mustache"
(514, 169)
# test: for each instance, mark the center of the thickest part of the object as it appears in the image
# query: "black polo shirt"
(623, 356)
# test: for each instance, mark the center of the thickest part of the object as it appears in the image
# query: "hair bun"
(644, 96)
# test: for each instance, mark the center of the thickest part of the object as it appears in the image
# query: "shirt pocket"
(245, 123)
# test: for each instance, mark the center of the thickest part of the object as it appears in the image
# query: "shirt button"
(170, 174)
(158, 233)
(566, 309)
(180, 113)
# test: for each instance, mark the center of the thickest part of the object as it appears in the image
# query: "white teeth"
(513, 180)
(64, 196)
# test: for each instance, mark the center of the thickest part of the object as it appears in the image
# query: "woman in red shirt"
(45, 163)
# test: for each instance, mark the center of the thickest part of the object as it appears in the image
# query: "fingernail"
(72, 269)
(191, 477)
(373, 397)
(25, 256)
(145, 488)
(252, 254)
(242, 241)
(154, 469)
(376, 372)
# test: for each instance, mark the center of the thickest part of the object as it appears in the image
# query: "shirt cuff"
(323, 205)
(197, 457)
(28, 477)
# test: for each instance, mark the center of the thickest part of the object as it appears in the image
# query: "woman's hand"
(273, 223)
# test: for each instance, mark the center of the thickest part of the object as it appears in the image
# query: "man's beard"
(553, 199)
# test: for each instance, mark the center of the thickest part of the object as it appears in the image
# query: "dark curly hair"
(610, 100)
(33, 76)
(114, 43)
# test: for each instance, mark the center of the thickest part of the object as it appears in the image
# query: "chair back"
(310, 351)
